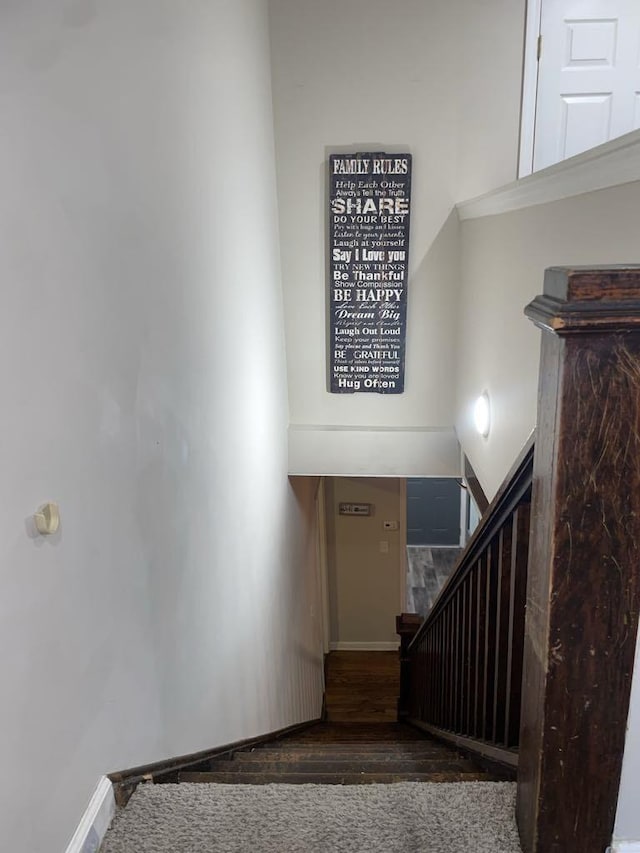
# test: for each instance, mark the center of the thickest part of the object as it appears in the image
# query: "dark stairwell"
(359, 742)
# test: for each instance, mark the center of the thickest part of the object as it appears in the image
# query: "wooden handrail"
(464, 667)
(573, 679)
(583, 593)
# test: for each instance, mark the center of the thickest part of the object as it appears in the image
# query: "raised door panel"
(588, 77)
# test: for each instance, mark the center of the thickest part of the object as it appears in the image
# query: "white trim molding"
(609, 165)
(95, 821)
(331, 450)
(346, 646)
(529, 88)
(624, 847)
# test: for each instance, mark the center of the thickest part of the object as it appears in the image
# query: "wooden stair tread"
(351, 754)
(340, 736)
(369, 745)
(349, 765)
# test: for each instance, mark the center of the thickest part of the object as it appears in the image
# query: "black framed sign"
(355, 509)
(369, 215)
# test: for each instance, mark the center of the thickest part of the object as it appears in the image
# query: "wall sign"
(369, 213)
(355, 509)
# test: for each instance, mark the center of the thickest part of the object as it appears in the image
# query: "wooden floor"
(362, 687)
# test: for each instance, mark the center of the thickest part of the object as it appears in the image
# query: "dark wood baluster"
(443, 667)
(471, 610)
(473, 649)
(433, 680)
(419, 675)
(417, 678)
(447, 664)
(517, 600)
(464, 659)
(480, 646)
(451, 722)
(447, 668)
(433, 687)
(416, 708)
(456, 697)
(438, 665)
(421, 670)
(502, 633)
(490, 638)
(426, 681)
(440, 669)
(438, 697)
(422, 677)
(466, 670)
(428, 698)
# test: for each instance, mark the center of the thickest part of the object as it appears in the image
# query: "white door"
(588, 76)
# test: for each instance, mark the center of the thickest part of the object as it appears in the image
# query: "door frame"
(529, 88)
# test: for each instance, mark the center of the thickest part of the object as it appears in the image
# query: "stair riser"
(336, 733)
(355, 749)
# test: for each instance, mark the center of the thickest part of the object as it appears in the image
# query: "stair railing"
(462, 672)
(583, 587)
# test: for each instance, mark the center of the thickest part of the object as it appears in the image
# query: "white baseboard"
(624, 847)
(95, 821)
(347, 646)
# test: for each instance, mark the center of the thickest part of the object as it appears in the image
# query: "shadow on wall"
(432, 322)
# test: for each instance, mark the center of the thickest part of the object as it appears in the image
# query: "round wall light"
(482, 414)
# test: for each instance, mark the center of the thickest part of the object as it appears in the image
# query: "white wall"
(373, 75)
(143, 388)
(503, 263)
(365, 582)
(390, 452)
(488, 44)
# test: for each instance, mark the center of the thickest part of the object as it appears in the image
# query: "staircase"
(359, 743)
(341, 785)
(343, 754)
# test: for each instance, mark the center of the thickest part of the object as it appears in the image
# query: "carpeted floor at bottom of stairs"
(406, 817)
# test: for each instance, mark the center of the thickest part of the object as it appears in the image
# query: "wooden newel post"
(584, 559)
(407, 625)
